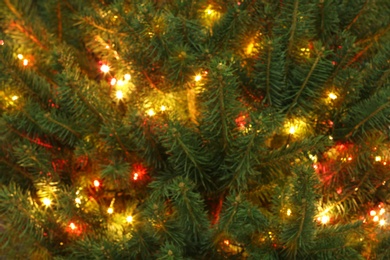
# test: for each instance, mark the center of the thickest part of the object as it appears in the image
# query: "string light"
(291, 130)
(77, 200)
(25, 62)
(1, 42)
(119, 94)
(129, 219)
(382, 222)
(96, 183)
(135, 176)
(14, 98)
(20, 56)
(372, 212)
(120, 83)
(113, 81)
(46, 202)
(198, 78)
(375, 219)
(127, 77)
(110, 210)
(378, 158)
(226, 242)
(105, 68)
(151, 112)
(332, 96)
(324, 219)
(382, 211)
(163, 108)
(288, 212)
(72, 226)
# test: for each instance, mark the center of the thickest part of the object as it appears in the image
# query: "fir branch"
(357, 16)
(293, 28)
(47, 115)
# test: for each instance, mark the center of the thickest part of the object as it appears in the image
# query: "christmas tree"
(180, 129)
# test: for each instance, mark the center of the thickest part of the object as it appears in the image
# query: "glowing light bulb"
(163, 108)
(324, 219)
(1, 42)
(135, 176)
(14, 98)
(378, 158)
(25, 62)
(72, 226)
(198, 77)
(46, 202)
(129, 219)
(382, 222)
(113, 81)
(96, 183)
(127, 77)
(288, 212)
(110, 210)
(151, 112)
(77, 200)
(20, 56)
(291, 130)
(372, 212)
(119, 94)
(226, 242)
(332, 96)
(375, 219)
(105, 68)
(382, 211)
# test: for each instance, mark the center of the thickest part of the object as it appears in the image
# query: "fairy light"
(292, 130)
(129, 219)
(72, 226)
(135, 177)
(150, 112)
(249, 48)
(376, 219)
(332, 96)
(120, 83)
(382, 222)
(1, 42)
(226, 242)
(119, 94)
(324, 219)
(113, 81)
(25, 62)
(382, 211)
(288, 212)
(163, 108)
(110, 210)
(198, 78)
(20, 56)
(46, 202)
(96, 183)
(105, 68)
(378, 158)
(14, 98)
(127, 76)
(372, 213)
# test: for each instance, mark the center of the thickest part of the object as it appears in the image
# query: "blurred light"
(163, 108)
(20, 56)
(198, 77)
(376, 218)
(151, 112)
(120, 82)
(96, 183)
(14, 98)
(119, 94)
(226, 242)
(382, 222)
(135, 176)
(324, 219)
(332, 96)
(291, 130)
(105, 68)
(46, 202)
(72, 226)
(378, 158)
(1, 42)
(382, 211)
(129, 219)
(25, 62)
(127, 77)
(372, 212)
(110, 210)
(288, 212)
(113, 81)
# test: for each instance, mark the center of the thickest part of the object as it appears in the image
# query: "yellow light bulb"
(46, 202)
(110, 210)
(105, 68)
(77, 200)
(382, 211)
(151, 112)
(25, 62)
(332, 96)
(120, 82)
(325, 219)
(291, 130)
(375, 219)
(288, 212)
(163, 108)
(382, 222)
(127, 77)
(119, 94)
(14, 98)
(20, 56)
(378, 158)
(113, 81)
(129, 219)
(198, 77)
(72, 226)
